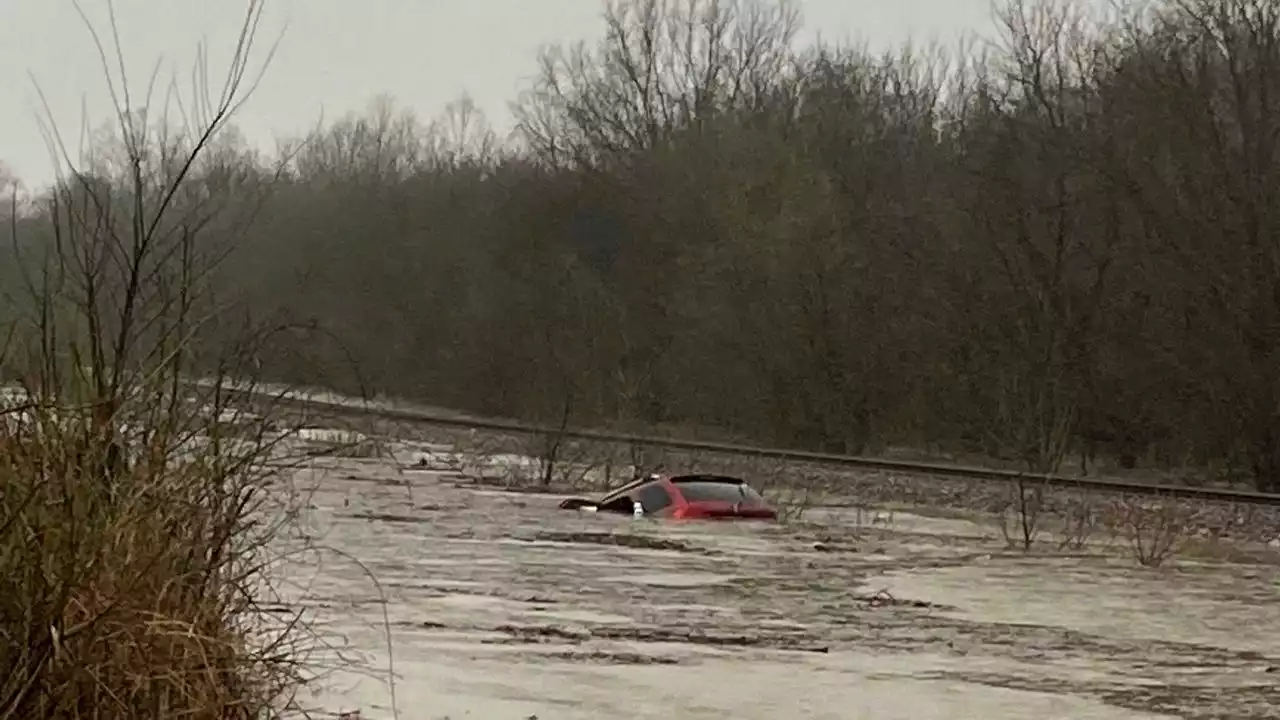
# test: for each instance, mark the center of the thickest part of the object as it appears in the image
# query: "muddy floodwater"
(437, 599)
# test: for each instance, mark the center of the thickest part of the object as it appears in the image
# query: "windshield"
(712, 491)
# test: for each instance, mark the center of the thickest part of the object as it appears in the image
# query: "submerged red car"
(682, 497)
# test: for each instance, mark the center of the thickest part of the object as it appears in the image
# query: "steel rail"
(854, 461)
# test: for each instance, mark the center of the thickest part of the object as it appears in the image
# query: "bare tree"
(1211, 68)
(381, 145)
(663, 66)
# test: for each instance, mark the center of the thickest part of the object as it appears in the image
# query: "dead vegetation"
(135, 530)
(1020, 519)
(547, 462)
(133, 589)
(1155, 529)
(1152, 528)
(1081, 522)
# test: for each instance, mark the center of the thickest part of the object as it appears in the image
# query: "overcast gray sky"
(336, 55)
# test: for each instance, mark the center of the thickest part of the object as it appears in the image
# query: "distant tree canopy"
(1065, 241)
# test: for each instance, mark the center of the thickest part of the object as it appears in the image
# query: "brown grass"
(135, 521)
(131, 591)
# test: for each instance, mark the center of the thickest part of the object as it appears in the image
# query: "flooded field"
(439, 599)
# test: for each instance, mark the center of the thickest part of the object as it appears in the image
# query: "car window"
(653, 497)
(712, 491)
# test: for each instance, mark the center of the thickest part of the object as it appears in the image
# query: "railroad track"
(934, 469)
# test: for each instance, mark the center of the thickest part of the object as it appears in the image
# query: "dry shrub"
(577, 464)
(132, 581)
(1081, 519)
(1248, 522)
(792, 492)
(133, 530)
(553, 460)
(791, 502)
(495, 458)
(1154, 528)
(1021, 514)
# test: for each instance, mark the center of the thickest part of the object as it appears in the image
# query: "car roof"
(708, 478)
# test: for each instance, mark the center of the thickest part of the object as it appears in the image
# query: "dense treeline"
(1066, 241)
